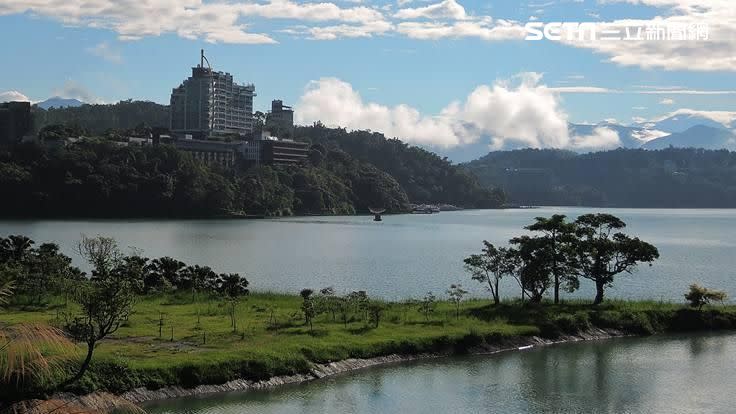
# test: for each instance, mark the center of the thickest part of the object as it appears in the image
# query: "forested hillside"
(425, 176)
(98, 119)
(347, 173)
(675, 178)
(101, 179)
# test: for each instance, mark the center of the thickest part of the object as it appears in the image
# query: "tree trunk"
(83, 367)
(496, 295)
(598, 293)
(557, 288)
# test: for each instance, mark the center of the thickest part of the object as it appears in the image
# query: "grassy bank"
(170, 340)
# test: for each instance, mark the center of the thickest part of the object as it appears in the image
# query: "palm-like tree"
(15, 247)
(163, 270)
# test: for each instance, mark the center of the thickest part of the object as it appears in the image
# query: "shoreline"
(139, 396)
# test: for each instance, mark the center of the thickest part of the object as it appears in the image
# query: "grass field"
(171, 340)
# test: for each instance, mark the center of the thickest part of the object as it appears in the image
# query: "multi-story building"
(15, 121)
(211, 103)
(210, 152)
(280, 121)
(254, 152)
(283, 151)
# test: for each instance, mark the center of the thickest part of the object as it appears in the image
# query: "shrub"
(699, 296)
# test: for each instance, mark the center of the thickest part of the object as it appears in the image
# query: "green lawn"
(264, 345)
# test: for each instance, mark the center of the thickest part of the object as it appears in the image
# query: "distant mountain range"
(698, 136)
(59, 102)
(681, 122)
(679, 131)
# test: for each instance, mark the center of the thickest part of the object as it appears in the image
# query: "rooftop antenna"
(204, 59)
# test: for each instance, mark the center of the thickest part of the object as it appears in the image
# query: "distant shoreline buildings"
(210, 104)
(211, 117)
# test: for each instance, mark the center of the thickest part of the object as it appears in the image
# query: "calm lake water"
(405, 255)
(674, 375)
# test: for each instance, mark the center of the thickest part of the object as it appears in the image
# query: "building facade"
(211, 103)
(210, 152)
(254, 152)
(15, 121)
(284, 152)
(280, 121)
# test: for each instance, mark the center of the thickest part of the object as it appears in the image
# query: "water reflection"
(685, 374)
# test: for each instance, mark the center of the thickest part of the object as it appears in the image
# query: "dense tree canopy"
(97, 119)
(99, 178)
(592, 247)
(669, 178)
(424, 176)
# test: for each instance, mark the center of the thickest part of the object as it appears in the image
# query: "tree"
(308, 308)
(198, 278)
(102, 253)
(105, 303)
(490, 267)
(16, 247)
(164, 273)
(135, 269)
(358, 301)
(327, 301)
(699, 296)
(456, 294)
(601, 252)
(46, 270)
(427, 305)
(232, 286)
(375, 312)
(342, 307)
(532, 263)
(560, 236)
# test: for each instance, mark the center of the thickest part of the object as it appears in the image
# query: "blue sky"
(422, 55)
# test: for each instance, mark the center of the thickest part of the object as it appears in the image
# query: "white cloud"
(601, 138)
(105, 51)
(688, 92)
(513, 113)
(286, 9)
(218, 21)
(73, 90)
(486, 29)
(368, 29)
(718, 53)
(447, 9)
(8, 96)
(726, 118)
(582, 89)
(667, 101)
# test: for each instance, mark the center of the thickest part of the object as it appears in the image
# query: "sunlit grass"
(170, 340)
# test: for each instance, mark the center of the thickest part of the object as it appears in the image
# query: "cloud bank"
(519, 112)
(8, 96)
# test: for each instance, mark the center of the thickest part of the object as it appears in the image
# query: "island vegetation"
(146, 322)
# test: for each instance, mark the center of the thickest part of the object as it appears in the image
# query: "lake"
(405, 255)
(669, 374)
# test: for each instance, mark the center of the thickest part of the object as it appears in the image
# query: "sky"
(439, 73)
